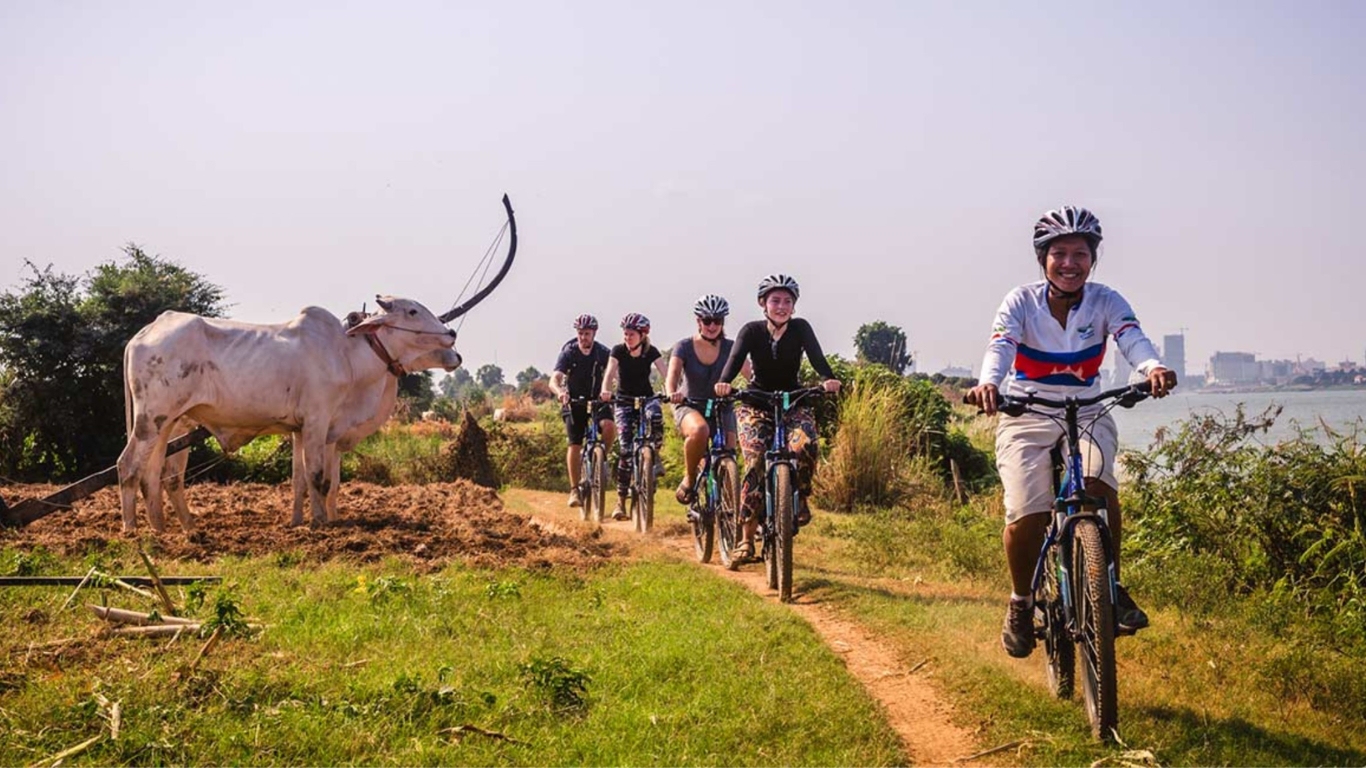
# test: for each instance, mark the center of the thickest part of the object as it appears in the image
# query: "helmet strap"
(1072, 296)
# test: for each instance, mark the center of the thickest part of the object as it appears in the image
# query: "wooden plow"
(29, 510)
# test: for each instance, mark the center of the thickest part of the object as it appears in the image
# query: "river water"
(1339, 408)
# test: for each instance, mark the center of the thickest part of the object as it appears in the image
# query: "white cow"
(360, 404)
(310, 376)
(329, 384)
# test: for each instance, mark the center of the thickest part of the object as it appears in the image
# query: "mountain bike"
(643, 458)
(1074, 582)
(593, 467)
(781, 500)
(715, 510)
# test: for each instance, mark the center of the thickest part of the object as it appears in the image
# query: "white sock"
(1014, 598)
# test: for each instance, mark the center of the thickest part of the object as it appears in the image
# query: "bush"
(1287, 517)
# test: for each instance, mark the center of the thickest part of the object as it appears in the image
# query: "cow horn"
(498, 278)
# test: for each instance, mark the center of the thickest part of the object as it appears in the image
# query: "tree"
(489, 376)
(61, 342)
(878, 342)
(528, 376)
(415, 391)
(457, 384)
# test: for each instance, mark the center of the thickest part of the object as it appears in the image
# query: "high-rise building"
(1174, 354)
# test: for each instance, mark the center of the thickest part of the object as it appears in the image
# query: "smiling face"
(711, 328)
(778, 305)
(630, 337)
(1068, 263)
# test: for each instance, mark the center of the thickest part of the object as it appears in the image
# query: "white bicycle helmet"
(1067, 220)
(774, 282)
(711, 305)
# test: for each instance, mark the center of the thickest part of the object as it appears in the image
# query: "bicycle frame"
(717, 450)
(643, 432)
(778, 452)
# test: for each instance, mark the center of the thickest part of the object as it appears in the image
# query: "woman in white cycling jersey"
(1050, 336)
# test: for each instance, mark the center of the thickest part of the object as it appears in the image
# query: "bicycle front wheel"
(645, 493)
(728, 523)
(783, 505)
(1096, 625)
(1057, 641)
(703, 515)
(597, 484)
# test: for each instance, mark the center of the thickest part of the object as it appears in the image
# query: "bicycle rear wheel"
(597, 484)
(1096, 623)
(1057, 642)
(783, 501)
(703, 515)
(728, 524)
(645, 495)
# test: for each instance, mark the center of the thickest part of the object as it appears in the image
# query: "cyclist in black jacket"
(774, 347)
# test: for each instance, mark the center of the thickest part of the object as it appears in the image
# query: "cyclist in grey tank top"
(692, 375)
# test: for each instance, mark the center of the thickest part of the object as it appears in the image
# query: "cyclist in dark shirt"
(774, 348)
(578, 373)
(628, 368)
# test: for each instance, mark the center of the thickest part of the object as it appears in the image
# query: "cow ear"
(368, 325)
(384, 303)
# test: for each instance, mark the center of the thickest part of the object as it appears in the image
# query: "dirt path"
(915, 710)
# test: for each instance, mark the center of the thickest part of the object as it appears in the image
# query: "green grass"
(1197, 688)
(651, 663)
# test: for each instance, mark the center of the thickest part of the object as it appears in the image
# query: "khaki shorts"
(1022, 447)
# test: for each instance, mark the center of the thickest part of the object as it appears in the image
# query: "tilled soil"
(429, 525)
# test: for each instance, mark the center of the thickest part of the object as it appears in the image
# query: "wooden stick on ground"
(72, 596)
(204, 651)
(156, 580)
(125, 585)
(69, 752)
(120, 616)
(993, 750)
(157, 630)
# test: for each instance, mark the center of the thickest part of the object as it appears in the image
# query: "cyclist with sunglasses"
(694, 368)
(628, 368)
(578, 374)
(1049, 338)
(774, 347)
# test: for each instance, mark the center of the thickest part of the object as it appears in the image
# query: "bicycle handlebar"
(1014, 405)
(794, 396)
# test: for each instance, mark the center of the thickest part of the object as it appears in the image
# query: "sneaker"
(804, 514)
(574, 500)
(1017, 634)
(1129, 616)
(620, 512)
(659, 470)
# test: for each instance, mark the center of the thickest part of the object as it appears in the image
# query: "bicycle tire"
(1060, 652)
(784, 499)
(645, 501)
(703, 514)
(597, 482)
(729, 527)
(1096, 624)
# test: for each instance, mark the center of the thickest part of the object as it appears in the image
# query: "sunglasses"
(712, 320)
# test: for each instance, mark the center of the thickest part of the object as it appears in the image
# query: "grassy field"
(649, 662)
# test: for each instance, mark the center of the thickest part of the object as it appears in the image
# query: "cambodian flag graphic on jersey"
(1077, 369)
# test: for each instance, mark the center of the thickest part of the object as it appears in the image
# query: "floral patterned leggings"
(756, 434)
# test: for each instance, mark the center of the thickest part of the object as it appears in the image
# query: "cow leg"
(334, 489)
(173, 476)
(300, 481)
(130, 465)
(315, 470)
(151, 491)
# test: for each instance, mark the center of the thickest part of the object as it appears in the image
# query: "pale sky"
(892, 156)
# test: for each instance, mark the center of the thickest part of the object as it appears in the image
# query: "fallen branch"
(157, 630)
(156, 580)
(43, 646)
(120, 616)
(69, 752)
(459, 731)
(72, 596)
(994, 750)
(923, 662)
(208, 646)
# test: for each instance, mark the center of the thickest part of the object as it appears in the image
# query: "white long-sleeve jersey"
(1029, 346)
